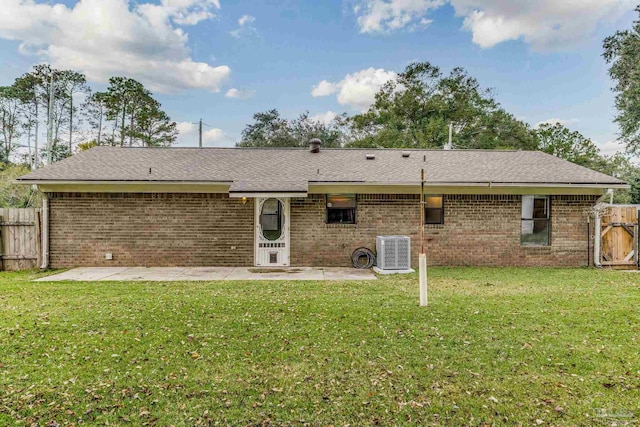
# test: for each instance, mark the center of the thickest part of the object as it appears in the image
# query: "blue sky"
(223, 61)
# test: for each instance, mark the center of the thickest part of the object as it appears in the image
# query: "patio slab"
(146, 274)
(168, 274)
(281, 273)
(89, 274)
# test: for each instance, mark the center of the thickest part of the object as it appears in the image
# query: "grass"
(495, 347)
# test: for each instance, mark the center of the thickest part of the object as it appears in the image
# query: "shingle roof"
(268, 169)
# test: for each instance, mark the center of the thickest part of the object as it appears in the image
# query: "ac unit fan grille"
(394, 252)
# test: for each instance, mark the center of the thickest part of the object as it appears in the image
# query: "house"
(118, 206)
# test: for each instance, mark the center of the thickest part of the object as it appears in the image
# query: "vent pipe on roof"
(449, 145)
(314, 145)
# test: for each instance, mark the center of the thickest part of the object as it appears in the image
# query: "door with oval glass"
(272, 232)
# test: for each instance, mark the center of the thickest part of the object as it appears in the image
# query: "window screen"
(536, 221)
(341, 209)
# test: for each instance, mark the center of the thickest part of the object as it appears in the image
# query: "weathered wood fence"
(618, 236)
(20, 238)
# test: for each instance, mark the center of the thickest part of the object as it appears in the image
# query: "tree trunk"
(35, 162)
(131, 126)
(4, 135)
(71, 123)
(100, 126)
(29, 144)
(124, 111)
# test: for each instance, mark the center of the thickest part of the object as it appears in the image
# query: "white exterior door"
(272, 232)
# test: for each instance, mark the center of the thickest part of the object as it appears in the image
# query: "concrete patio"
(168, 274)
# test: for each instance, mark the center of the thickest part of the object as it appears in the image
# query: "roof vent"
(314, 145)
(406, 154)
(370, 156)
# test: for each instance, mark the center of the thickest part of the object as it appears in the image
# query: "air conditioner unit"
(393, 254)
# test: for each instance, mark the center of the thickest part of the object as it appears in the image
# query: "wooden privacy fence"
(20, 238)
(619, 236)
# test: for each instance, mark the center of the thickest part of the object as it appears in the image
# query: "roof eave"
(585, 185)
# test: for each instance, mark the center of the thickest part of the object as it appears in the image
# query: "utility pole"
(50, 122)
(201, 125)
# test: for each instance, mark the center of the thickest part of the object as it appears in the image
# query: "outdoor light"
(244, 200)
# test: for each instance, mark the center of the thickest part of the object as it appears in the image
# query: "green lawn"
(495, 347)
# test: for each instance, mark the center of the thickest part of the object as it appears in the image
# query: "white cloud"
(544, 24)
(325, 117)
(379, 16)
(324, 88)
(246, 19)
(245, 26)
(213, 135)
(356, 90)
(239, 94)
(105, 38)
(188, 136)
(611, 147)
(182, 12)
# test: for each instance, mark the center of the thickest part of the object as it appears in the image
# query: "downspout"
(45, 232)
(597, 228)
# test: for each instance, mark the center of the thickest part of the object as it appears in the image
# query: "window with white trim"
(341, 208)
(536, 221)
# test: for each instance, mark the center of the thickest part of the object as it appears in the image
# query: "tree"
(558, 140)
(634, 191)
(416, 109)
(271, 130)
(153, 127)
(84, 146)
(95, 110)
(71, 83)
(10, 116)
(16, 195)
(621, 166)
(26, 87)
(622, 52)
(59, 151)
(136, 116)
(49, 93)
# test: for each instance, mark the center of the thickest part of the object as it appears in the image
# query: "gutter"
(358, 183)
(70, 182)
(45, 232)
(476, 184)
(598, 226)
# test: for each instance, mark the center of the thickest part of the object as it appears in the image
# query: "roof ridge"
(482, 150)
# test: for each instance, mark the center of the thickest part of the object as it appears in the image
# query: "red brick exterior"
(150, 230)
(214, 230)
(477, 230)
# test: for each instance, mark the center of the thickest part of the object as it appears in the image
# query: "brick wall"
(201, 229)
(478, 230)
(150, 230)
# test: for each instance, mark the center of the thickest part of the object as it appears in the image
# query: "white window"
(536, 221)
